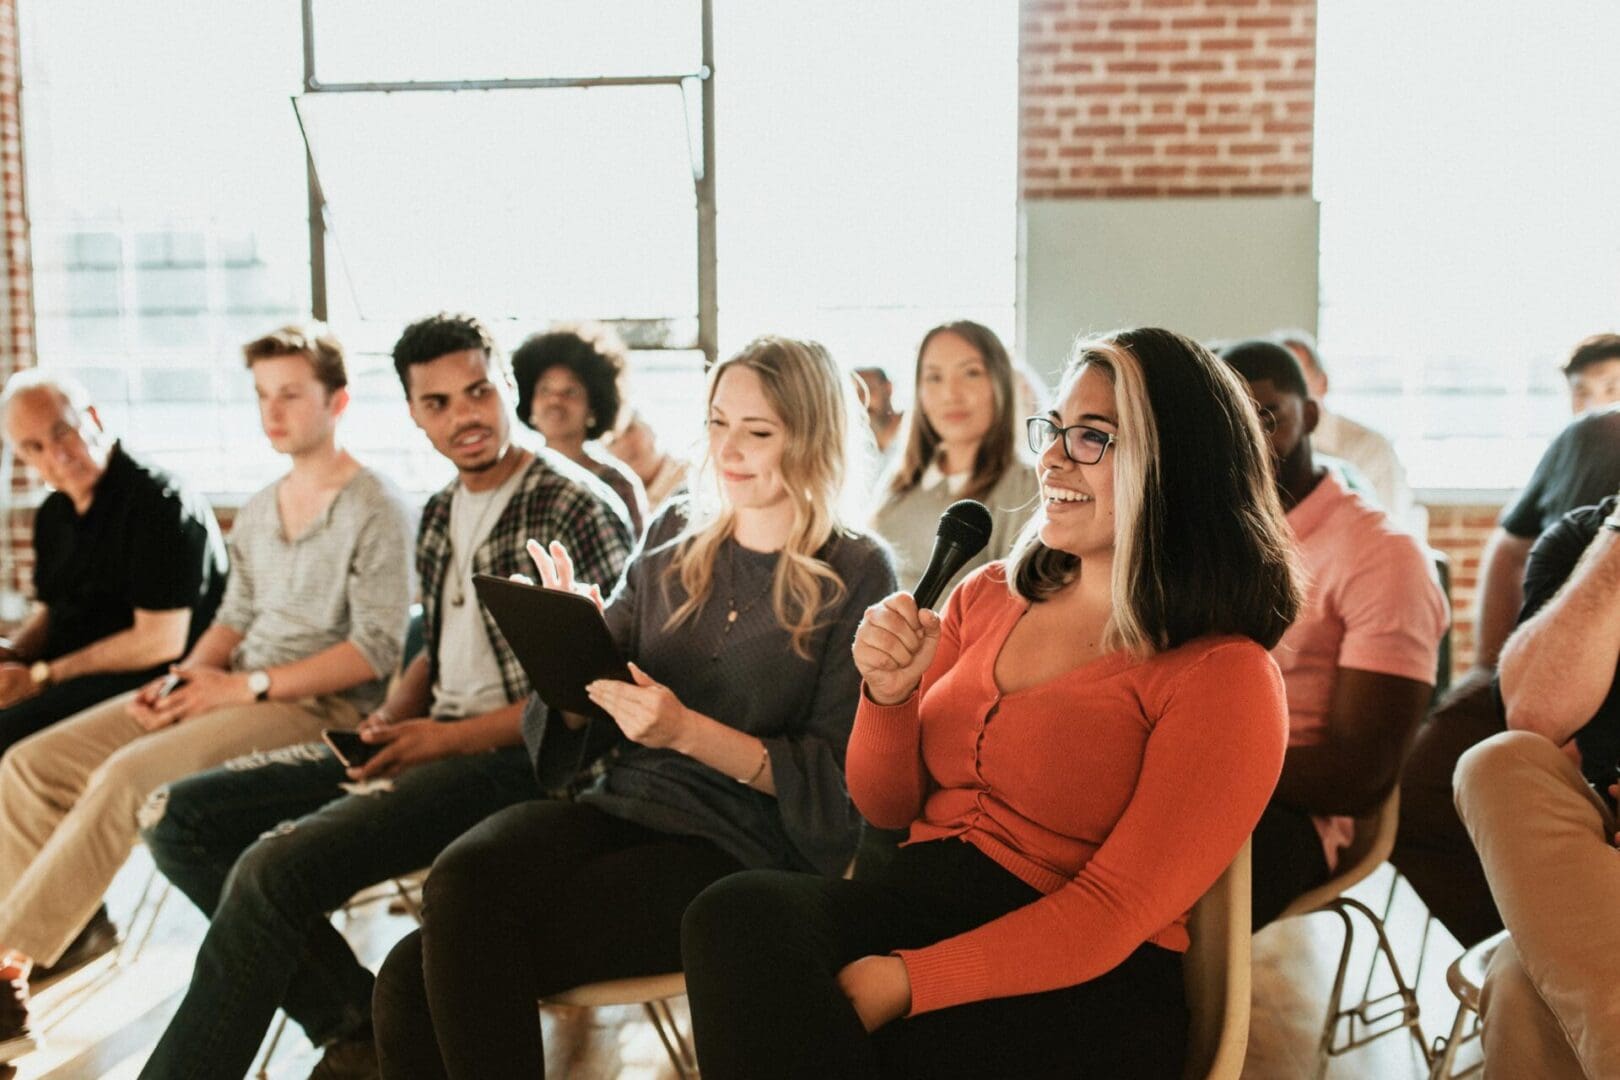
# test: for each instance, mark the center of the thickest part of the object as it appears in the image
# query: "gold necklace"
(733, 613)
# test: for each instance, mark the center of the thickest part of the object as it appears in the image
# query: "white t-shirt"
(469, 677)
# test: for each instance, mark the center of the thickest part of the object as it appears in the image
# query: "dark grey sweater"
(801, 709)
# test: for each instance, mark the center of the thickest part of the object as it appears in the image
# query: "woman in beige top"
(961, 443)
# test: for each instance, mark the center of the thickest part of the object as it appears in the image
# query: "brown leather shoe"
(15, 1038)
(353, 1057)
(98, 938)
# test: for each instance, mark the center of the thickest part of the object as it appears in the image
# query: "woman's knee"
(400, 993)
(743, 909)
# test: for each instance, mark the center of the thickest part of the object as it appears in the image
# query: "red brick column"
(1123, 98)
(17, 326)
(16, 264)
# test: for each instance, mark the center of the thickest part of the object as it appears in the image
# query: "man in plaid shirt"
(269, 844)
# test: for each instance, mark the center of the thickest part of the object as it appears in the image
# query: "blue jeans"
(270, 845)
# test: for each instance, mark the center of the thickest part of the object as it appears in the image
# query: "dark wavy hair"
(592, 352)
(1200, 543)
(439, 335)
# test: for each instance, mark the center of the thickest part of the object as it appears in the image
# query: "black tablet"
(560, 638)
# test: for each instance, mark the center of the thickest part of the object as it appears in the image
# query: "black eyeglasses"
(1081, 444)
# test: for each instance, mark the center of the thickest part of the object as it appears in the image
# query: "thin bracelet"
(764, 760)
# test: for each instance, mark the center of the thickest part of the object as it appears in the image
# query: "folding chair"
(1216, 971)
(1465, 977)
(1371, 1018)
(651, 992)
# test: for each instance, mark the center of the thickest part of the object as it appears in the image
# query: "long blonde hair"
(815, 401)
(1200, 543)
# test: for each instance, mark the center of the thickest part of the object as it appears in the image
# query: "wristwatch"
(259, 684)
(40, 672)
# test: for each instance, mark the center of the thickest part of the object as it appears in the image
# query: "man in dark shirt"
(1546, 838)
(128, 563)
(1581, 466)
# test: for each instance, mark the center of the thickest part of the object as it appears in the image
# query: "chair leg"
(127, 954)
(408, 904)
(1445, 1050)
(1389, 906)
(1330, 1026)
(270, 1050)
(679, 1048)
(1362, 1023)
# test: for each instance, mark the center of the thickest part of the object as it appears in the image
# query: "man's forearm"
(1557, 668)
(491, 730)
(332, 670)
(412, 693)
(28, 643)
(214, 648)
(134, 649)
(1501, 594)
(1314, 779)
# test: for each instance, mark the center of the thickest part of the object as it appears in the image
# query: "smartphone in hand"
(350, 749)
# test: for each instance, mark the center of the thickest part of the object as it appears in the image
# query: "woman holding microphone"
(727, 750)
(1078, 746)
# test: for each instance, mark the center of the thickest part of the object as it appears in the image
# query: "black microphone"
(964, 530)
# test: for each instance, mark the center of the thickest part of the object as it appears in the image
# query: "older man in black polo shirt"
(129, 565)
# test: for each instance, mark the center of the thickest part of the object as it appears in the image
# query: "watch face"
(259, 682)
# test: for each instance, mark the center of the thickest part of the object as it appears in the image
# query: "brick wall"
(1460, 532)
(16, 282)
(1126, 98)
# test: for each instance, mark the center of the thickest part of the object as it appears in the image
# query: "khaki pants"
(1551, 1001)
(70, 794)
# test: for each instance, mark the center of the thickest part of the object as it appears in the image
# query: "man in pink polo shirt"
(1358, 664)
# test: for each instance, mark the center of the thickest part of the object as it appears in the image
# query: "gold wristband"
(764, 760)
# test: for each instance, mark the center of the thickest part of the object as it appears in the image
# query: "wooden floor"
(101, 1023)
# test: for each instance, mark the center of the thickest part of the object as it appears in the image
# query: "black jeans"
(61, 701)
(538, 899)
(1288, 861)
(267, 845)
(763, 950)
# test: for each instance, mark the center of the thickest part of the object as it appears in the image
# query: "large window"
(166, 197)
(865, 174)
(1468, 165)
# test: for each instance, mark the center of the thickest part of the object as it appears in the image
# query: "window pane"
(426, 41)
(167, 202)
(866, 176)
(534, 204)
(1466, 168)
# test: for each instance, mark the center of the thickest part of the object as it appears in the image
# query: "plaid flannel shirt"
(554, 501)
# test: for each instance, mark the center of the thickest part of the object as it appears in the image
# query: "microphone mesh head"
(965, 523)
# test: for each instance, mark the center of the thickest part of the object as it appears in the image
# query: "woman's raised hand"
(894, 646)
(557, 571)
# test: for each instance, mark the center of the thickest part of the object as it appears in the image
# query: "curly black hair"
(592, 352)
(439, 335)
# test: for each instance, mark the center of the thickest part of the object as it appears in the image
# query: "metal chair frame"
(653, 993)
(1372, 1017)
(1464, 977)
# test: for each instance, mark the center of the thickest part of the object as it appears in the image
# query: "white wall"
(1207, 267)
